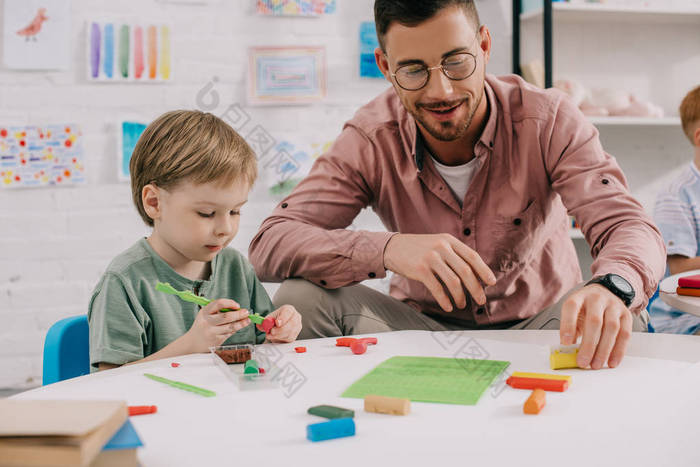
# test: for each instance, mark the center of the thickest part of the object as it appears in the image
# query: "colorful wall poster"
(368, 42)
(289, 163)
(124, 52)
(36, 34)
(34, 156)
(286, 75)
(129, 134)
(295, 7)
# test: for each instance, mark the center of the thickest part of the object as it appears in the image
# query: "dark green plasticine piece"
(331, 411)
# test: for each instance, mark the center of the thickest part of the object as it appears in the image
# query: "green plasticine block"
(255, 318)
(331, 411)
(251, 368)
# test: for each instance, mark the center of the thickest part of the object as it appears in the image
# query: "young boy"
(677, 213)
(190, 176)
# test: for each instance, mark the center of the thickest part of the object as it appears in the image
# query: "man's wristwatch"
(617, 285)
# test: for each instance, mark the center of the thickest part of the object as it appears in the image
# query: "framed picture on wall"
(35, 156)
(313, 8)
(129, 52)
(128, 133)
(286, 75)
(36, 34)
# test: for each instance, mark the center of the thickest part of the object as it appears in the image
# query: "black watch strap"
(617, 285)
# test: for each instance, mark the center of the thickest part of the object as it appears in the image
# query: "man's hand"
(603, 320)
(440, 262)
(287, 324)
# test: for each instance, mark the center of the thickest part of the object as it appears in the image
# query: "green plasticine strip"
(180, 385)
(190, 296)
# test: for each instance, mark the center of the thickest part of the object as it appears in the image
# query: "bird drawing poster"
(36, 34)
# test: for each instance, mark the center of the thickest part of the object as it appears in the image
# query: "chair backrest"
(66, 350)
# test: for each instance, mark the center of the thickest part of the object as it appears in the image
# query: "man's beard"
(449, 131)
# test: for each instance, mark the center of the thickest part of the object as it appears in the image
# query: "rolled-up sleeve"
(307, 234)
(623, 238)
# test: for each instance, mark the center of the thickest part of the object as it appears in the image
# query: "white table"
(667, 293)
(645, 412)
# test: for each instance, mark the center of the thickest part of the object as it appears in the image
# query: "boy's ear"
(150, 197)
(696, 136)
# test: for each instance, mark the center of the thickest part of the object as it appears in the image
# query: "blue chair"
(66, 350)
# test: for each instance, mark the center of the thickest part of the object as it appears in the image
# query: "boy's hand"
(287, 325)
(212, 328)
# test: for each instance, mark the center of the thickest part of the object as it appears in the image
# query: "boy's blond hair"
(690, 113)
(189, 145)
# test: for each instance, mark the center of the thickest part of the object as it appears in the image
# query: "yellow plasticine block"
(559, 360)
(522, 374)
(387, 405)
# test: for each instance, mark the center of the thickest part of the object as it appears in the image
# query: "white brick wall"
(55, 243)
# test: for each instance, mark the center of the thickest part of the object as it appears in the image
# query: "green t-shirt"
(129, 319)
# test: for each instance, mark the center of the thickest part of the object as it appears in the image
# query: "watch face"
(620, 283)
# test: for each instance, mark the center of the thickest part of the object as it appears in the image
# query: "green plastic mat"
(429, 379)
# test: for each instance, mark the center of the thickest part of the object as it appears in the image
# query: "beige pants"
(357, 309)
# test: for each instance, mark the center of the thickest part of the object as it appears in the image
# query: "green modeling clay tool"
(190, 296)
(183, 386)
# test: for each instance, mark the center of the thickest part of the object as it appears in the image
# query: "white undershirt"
(457, 177)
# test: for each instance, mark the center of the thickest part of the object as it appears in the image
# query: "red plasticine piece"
(174, 364)
(261, 371)
(300, 349)
(344, 341)
(142, 409)
(268, 323)
(358, 347)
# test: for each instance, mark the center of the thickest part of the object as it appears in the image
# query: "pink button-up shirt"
(538, 156)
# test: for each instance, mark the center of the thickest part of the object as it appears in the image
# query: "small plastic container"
(234, 370)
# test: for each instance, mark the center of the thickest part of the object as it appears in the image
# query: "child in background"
(677, 213)
(190, 176)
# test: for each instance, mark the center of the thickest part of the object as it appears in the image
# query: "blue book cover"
(125, 438)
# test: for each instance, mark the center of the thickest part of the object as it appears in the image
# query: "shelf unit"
(563, 12)
(604, 12)
(639, 121)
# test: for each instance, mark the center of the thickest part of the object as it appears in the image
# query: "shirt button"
(605, 181)
(323, 282)
(517, 221)
(284, 205)
(480, 310)
(372, 275)
(467, 232)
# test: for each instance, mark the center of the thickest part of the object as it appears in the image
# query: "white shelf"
(635, 121)
(575, 233)
(603, 12)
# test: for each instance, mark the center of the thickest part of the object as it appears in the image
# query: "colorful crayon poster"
(295, 7)
(36, 34)
(368, 42)
(129, 134)
(286, 75)
(34, 156)
(126, 52)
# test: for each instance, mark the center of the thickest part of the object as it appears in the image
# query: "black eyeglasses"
(415, 76)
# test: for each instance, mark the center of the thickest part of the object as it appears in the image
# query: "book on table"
(57, 432)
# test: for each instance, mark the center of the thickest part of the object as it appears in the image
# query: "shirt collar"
(487, 138)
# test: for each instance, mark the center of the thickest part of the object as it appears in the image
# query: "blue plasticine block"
(337, 428)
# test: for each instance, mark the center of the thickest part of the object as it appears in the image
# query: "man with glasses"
(472, 175)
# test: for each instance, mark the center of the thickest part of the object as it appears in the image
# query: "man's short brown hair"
(192, 146)
(690, 113)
